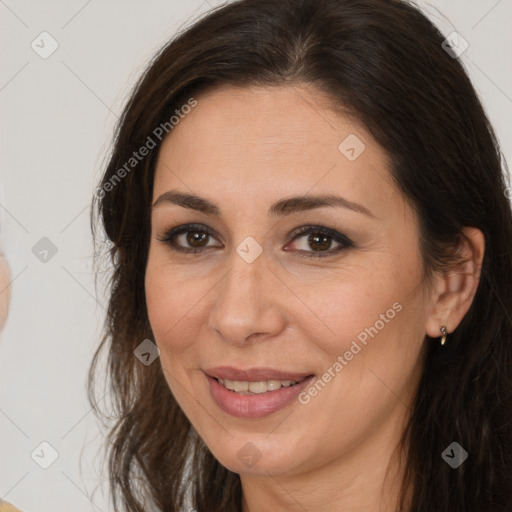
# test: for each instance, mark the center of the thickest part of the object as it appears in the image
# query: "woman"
(312, 250)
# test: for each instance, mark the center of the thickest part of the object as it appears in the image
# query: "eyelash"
(170, 236)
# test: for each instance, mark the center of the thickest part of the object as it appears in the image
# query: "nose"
(248, 305)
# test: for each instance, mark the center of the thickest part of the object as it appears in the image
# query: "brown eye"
(196, 238)
(319, 241)
(190, 238)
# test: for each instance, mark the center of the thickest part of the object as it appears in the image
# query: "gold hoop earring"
(444, 333)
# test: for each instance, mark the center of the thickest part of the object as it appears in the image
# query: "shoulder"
(7, 507)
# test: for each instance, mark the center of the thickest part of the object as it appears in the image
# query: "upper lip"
(254, 374)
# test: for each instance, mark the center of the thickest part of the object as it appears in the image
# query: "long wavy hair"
(383, 62)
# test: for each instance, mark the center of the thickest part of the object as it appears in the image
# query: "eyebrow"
(283, 207)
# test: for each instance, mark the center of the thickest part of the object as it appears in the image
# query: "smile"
(254, 393)
(255, 388)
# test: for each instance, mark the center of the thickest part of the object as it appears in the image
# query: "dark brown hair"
(382, 61)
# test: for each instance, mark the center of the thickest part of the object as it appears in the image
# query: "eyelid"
(170, 235)
(344, 242)
(314, 228)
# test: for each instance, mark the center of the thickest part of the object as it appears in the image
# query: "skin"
(244, 149)
(5, 289)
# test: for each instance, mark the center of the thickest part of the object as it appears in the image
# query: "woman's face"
(302, 265)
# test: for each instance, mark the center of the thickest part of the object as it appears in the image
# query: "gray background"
(57, 116)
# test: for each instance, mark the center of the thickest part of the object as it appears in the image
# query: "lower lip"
(254, 406)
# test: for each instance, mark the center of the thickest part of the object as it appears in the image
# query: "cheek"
(370, 328)
(354, 304)
(371, 361)
(378, 324)
(174, 301)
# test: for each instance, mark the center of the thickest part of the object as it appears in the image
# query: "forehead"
(265, 142)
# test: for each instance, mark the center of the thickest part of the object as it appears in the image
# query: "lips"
(259, 394)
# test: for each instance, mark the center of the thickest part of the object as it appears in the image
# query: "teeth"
(272, 385)
(255, 388)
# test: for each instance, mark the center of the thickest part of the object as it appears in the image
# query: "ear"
(455, 288)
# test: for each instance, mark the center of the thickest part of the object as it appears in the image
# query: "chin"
(257, 455)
